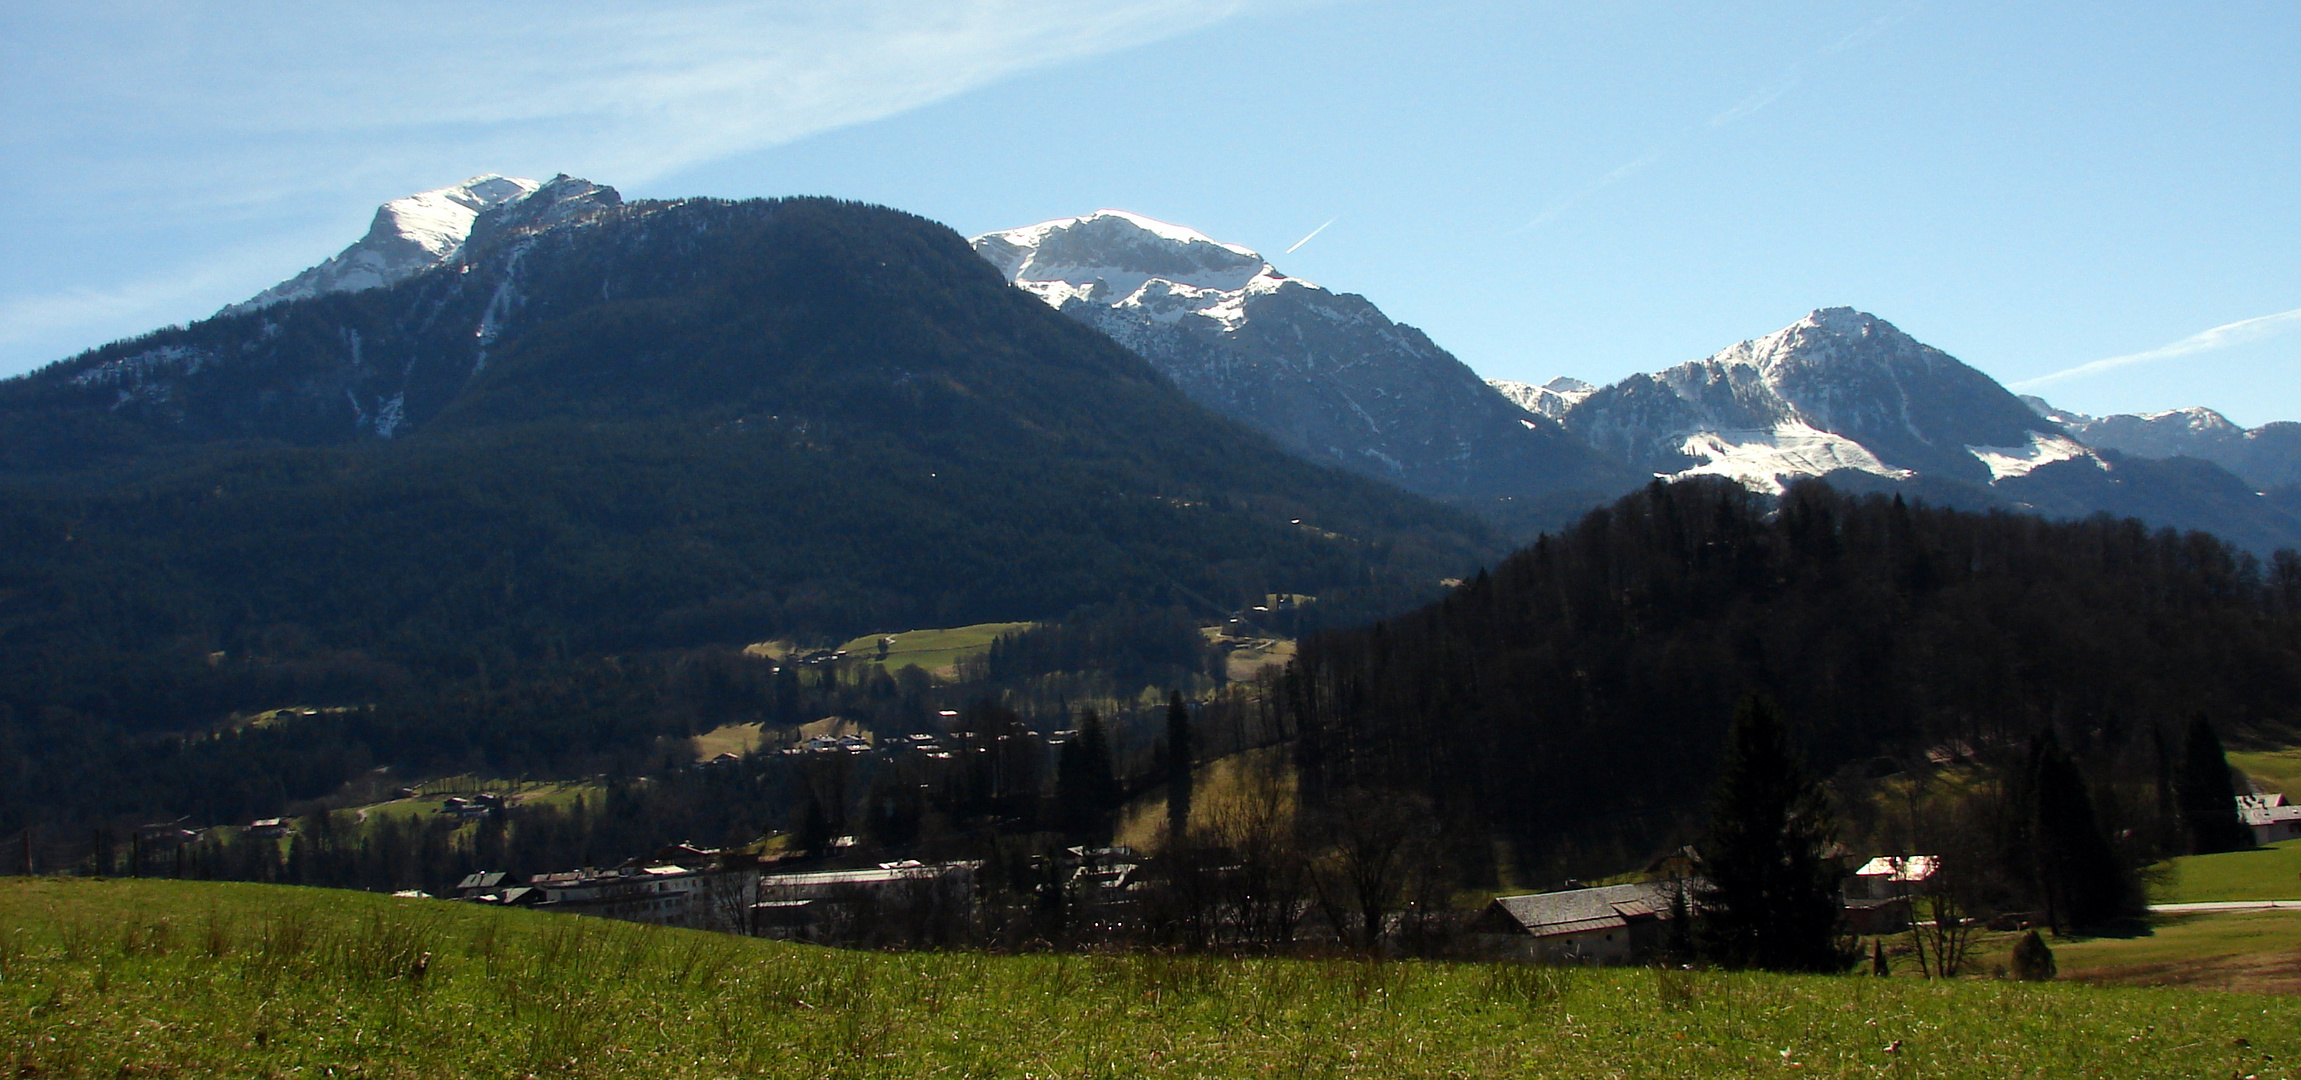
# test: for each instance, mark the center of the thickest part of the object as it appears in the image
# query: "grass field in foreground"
(127, 978)
(2265, 873)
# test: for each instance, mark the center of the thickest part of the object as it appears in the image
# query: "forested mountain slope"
(1578, 693)
(611, 427)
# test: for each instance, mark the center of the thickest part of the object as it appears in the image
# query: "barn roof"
(1578, 911)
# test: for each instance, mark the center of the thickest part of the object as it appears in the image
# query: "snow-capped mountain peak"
(1838, 389)
(439, 221)
(1118, 259)
(1326, 374)
(408, 236)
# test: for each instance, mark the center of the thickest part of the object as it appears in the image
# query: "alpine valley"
(528, 479)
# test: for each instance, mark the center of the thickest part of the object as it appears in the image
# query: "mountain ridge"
(2267, 457)
(1326, 374)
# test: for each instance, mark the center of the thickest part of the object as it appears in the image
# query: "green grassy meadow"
(137, 978)
(934, 651)
(2255, 951)
(2265, 873)
(2277, 770)
(424, 808)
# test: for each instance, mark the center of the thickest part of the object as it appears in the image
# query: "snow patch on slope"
(2010, 461)
(1762, 459)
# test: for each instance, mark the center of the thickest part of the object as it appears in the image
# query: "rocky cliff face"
(1326, 374)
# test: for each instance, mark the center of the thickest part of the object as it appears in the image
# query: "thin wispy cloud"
(267, 112)
(1313, 232)
(1866, 31)
(43, 316)
(1753, 103)
(2241, 332)
(1615, 176)
(1749, 105)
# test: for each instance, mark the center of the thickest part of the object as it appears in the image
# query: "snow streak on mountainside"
(2267, 456)
(1837, 390)
(408, 236)
(1327, 374)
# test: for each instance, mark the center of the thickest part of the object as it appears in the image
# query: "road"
(2228, 905)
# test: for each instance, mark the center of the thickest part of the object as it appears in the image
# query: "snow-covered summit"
(408, 236)
(1116, 259)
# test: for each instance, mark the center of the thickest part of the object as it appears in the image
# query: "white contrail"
(1756, 101)
(2220, 337)
(1313, 232)
(1752, 103)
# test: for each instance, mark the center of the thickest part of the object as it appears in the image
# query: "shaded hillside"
(1582, 688)
(645, 426)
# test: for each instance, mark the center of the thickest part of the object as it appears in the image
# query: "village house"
(1878, 893)
(270, 828)
(1608, 925)
(2270, 817)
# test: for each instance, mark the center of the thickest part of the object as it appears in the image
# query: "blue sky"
(2096, 202)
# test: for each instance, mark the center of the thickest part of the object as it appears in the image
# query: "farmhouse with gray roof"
(1613, 924)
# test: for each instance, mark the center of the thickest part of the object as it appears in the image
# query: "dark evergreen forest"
(1575, 698)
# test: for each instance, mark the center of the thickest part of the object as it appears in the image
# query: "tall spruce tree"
(1770, 900)
(2078, 874)
(2207, 797)
(1086, 790)
(1178, 759)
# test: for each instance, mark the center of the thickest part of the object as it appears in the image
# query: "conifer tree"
(1178, 757)
(2207, 798)
(1085, 790)
(1770, 900)
(2078, 874)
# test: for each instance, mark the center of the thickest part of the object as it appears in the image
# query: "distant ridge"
(1845, 395)
(1326, 374)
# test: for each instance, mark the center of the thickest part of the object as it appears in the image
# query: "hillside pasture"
(2248, 951)
(937, 652)
(2274, 770)
(140, 978)
(727, 739)
(2263, 873)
